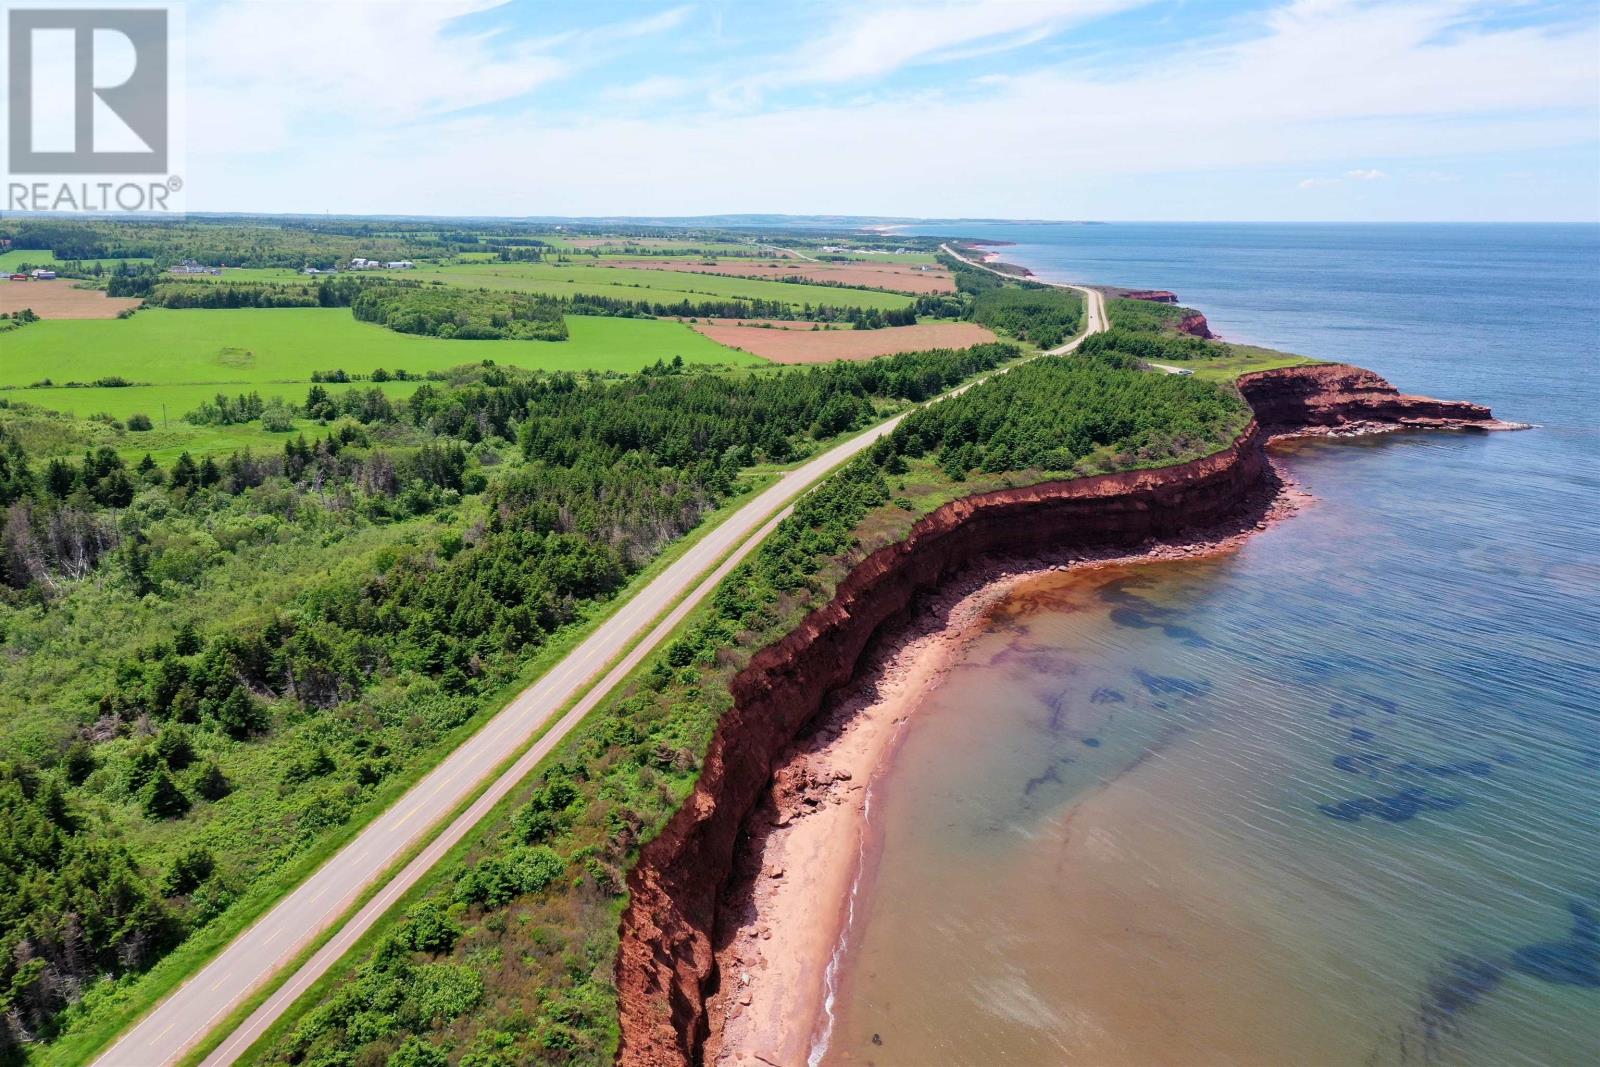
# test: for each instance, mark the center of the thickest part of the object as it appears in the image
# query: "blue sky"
(1064, 109)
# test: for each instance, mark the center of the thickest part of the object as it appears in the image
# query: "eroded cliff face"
(1337, 396)
(666, 963)
(1195, 326)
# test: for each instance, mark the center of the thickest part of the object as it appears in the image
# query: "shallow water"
(1332, 799)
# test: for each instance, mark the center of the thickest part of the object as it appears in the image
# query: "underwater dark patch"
(1403, 806)
(1357, 762)
(1058, 712)
(1383, 704)
(1130, 618)
(1091, 742)
(1052, 775)
(1162, 684)
(1104, 695)
(1360, 736)
(1575, 961)
(1457, 986)
(1189, 637)
(1560, 963)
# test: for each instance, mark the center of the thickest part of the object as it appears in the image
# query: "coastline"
(682, 973)
(786, 913)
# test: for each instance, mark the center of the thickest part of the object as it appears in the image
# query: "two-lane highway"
(252, 959)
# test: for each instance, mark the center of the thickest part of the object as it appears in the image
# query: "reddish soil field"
(776, 324)
(900, 277)
(825, 346)
(57, 299)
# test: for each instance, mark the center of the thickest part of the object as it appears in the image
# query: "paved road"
(789, 252)
(1094, 301)
(165, 1034)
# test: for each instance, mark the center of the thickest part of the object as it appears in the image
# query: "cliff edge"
(666, 963)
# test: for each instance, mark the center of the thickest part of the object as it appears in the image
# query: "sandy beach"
(789, 902)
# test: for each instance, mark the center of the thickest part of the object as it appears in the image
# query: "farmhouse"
(400, 264)
(43, 275)
(190, 266)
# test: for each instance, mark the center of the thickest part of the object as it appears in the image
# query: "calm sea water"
(1333, 799)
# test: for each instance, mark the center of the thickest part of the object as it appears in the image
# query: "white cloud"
(1365, 175)
(1319, 86)
(262, 73)
(1313, 183)
(654, 89)
(874, 41)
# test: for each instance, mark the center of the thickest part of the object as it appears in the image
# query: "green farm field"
(624, 283)
(181, 358)
(666, 286)
(887, 257)
(43, 257)
(653, 246)
(252, 346)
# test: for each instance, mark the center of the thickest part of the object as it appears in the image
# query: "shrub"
(187, 872)
(430, 928)
(441, 992)
(163, 799)
(495, 880)
(415, 1052)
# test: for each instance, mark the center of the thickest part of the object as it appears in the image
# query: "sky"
(1053, 109)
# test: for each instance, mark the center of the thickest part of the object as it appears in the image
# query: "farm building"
(43, 275)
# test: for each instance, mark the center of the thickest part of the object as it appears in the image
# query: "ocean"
(1331, 799)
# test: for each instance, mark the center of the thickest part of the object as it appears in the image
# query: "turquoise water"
(1332, 799)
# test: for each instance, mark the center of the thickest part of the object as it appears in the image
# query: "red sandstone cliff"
(1337, 396)
(1195, 325)
(666, 961)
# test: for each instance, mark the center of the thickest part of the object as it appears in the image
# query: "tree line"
(462, 314)
(1044, 316)
(557, 863)
(1150, 345)
(440, 544)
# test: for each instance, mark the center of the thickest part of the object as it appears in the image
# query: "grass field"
(1243, 359)
(625, 283)
(42, 257)
(253, 346)
(882, 257)
(181, 358)
(653, 245)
